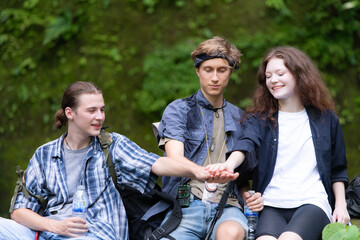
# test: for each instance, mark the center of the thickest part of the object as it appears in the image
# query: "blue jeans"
(11, 230)
(196, 220)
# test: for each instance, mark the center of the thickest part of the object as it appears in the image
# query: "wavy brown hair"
(309, 84)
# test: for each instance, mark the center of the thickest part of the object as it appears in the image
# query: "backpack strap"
(105, 142)
(20, 187)
(220, 207)
(171, 223)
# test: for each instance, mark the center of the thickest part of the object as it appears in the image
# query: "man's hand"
(221, 173)
(72, 227)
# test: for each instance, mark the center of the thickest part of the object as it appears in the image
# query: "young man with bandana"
(202, 128)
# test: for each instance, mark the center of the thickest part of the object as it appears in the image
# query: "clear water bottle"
(252, 218)
(80, 202)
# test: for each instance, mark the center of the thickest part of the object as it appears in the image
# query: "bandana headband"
(204, 57)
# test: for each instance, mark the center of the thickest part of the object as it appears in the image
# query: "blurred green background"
(138, 53)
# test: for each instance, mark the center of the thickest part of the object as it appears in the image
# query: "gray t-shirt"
(74, 164)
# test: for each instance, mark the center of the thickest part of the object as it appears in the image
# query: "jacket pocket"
(193, 142)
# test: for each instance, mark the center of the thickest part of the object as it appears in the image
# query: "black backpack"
(352, 194)
(137, 205)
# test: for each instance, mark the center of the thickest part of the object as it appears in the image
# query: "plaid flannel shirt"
(46, 176)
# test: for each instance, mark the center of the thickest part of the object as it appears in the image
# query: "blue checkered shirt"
(106, 219)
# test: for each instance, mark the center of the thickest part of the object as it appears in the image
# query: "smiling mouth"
(277, 88)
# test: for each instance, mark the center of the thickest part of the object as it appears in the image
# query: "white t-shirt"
(296, 179)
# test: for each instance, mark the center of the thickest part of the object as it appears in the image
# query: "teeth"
(275, 88)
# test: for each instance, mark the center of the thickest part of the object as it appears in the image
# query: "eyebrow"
(223, 66)
(92, 107)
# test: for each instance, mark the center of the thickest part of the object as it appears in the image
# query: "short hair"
(218, 46)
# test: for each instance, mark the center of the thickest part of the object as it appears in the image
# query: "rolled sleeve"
(32, 183)
(173, 122)
(250, 136)
(23, 202)
(133, 164)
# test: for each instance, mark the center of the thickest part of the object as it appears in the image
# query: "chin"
(95, 133)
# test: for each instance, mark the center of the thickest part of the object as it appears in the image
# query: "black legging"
(307, 221)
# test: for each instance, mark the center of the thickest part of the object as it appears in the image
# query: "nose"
(100, 115)
(274, 79)
(215, 77)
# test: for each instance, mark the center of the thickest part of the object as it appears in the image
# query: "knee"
(230, 230)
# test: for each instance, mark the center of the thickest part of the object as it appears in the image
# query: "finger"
(235, 175)
(78, 220)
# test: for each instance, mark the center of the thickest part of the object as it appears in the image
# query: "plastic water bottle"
(80, 202)
(252, 218)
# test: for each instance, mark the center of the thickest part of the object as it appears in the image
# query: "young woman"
(76, 158)
(301, 168)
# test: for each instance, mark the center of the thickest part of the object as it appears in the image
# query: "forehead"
(215, 63)
(275, 63)
(87, 100)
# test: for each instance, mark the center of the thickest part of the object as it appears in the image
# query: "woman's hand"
(254, 202)
(341, 215)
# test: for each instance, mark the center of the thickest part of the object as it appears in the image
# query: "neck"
(291, 106)
(74, 142)
(215, 101)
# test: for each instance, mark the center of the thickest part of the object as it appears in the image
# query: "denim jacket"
(182, 120)
(328, 143)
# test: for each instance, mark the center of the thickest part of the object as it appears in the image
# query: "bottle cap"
(252, 192)
(211, 187)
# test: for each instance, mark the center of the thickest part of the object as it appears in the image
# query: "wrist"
(340, 204)
(230, 165)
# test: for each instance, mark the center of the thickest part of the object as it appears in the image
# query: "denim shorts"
(196, 220)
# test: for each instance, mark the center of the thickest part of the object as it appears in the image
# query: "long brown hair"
(70, 99)
(309, 84)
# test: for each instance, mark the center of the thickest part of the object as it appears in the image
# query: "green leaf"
(59, 26)
(339, 231)
(29, 4)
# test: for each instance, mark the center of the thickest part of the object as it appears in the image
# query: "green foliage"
(169, 74)
(138, 52)
(61, 26)
(339, 231)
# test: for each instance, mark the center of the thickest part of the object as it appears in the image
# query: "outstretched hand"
(221, 173)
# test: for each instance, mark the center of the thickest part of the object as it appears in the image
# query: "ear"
(69, 113)
(197, 72)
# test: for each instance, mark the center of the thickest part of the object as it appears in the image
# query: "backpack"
(352, 194)
(137, 205)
